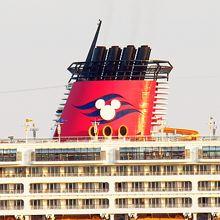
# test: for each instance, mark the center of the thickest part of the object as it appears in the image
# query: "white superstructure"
(109, 177)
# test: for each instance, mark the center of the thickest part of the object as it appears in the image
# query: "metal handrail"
(101, 139)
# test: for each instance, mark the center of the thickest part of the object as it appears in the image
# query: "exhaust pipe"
(122, 131)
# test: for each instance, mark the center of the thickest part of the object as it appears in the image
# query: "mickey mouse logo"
(107, 112)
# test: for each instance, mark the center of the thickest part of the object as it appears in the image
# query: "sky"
(39, 39)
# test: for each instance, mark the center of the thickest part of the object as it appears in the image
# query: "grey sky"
(39, 39)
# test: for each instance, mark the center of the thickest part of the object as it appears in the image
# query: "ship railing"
(101, 139)
(113, 173)
(157, 205)
(11, 207)
(209, 188)
(207, 204)
(77, 190)
(91, 206)
(36, 191)
(135, 69)
(11, 191)
(155, 189)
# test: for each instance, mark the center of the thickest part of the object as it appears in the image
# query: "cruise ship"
(112, 156)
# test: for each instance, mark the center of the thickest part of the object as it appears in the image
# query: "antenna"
(90, 53)
(92, 47)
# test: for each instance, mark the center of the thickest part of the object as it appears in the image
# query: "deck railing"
(101, 139)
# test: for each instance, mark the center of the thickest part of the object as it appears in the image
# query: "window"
(53, 203)
(154, 203)
(204, 185)
(18, 204)
(171, 186)
(155, 170)
(35, 171)
(170, 169)
(67, 154)
(121, 187)
(137, 186)
(53, 187)
(170, 202)
(53, 171)
(186, 186)
(188, 169)
(204, 169)
(186, 202)
(121, 203)
(138, 202)
(154, 186)
(71, 203)
(71, 187)
(204, 201)
(122, 170)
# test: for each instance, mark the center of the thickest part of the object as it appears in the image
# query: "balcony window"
(138, 203)
(203, 169)
(103, 187)
(72, 187)
(152, 153)
(88, 187)
(137, 186)
(170, 169)
(186, 202)
(35, 171)
(7, 155)
(71, 203)
(188, 169)
(53, 171)
(53, 203)
(71, 171)
(53, 187)
(18, 204)
(211, 152)
(204, 185)
(155, 203)
(155, 170)
(36, 187)
(88, 171)
(103, 203)
(36, 204)
(104, 171)
(186, 185)
(89, 203)
(122, 170)
(121, 187)
(121, 203)
(171, 186)
(68, 154)
(154, 186)
(204, 202)
(217, 201)
(170, 202)
(217, 185)
(137, 170)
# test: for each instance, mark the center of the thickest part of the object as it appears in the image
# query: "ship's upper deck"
(83, 150)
